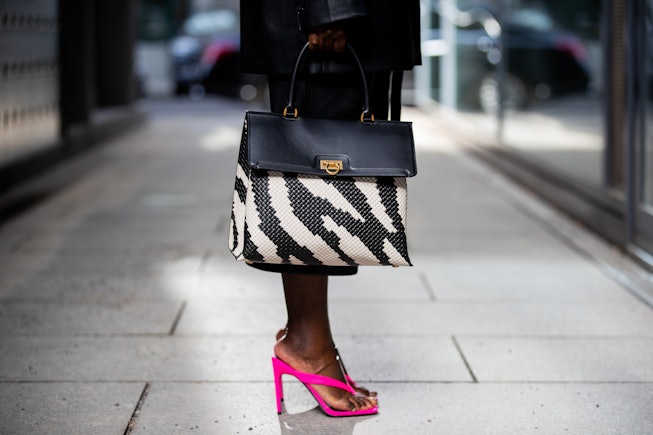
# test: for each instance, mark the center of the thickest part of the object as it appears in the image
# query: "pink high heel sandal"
(281, 368)
(282, 333)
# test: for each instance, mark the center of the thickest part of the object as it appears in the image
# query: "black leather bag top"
(335, 147)
(301, 145)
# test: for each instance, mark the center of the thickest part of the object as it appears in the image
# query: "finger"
(326, 42)
(313, 41)
(339, 41)
(321, 37)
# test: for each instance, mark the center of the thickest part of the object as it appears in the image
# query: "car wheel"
(516, 97)
(181, 89)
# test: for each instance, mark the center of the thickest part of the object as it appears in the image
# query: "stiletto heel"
(280, 368)
(278, 386)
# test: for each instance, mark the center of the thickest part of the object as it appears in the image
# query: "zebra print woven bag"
(313, 191)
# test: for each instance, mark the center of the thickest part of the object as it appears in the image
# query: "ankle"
(311, 353)
(309, 341)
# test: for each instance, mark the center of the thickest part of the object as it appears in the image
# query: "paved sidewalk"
(121, 310)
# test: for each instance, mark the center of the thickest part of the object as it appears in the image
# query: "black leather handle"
(290, 107)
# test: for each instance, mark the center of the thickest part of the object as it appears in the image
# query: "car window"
(534, 19)
(211, 23)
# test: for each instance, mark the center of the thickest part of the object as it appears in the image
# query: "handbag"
(312, 191)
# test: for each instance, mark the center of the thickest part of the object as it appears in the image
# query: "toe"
(362, 402)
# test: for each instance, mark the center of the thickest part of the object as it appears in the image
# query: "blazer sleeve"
(314, 13)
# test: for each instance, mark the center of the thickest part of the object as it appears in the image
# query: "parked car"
(206, 57)
(542, 62)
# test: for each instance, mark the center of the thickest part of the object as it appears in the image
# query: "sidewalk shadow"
(315, 422)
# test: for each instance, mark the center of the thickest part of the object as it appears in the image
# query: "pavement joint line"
(462, 355)
(177, 318)
(427, 286)
(222, 224)
(204, 262)
(137, 410)
(19, 244)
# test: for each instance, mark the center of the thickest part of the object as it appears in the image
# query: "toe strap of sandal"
(310, 378)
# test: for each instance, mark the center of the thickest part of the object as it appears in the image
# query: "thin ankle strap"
(340, 361)
(335, 360)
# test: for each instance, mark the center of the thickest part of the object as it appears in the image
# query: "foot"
(323, 363)
(360, 390)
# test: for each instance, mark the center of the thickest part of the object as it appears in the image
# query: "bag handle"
(366, 115)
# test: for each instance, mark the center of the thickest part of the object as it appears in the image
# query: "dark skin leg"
(308, 345)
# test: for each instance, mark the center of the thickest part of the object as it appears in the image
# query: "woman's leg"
(308, 344)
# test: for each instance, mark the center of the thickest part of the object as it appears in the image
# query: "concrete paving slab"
(402, 359)
(499, 318)
(82, 243)
(67, 408)
(208, 408)
(560, 360)
(199, 359)
(439, 318)
(404, 409)
(135, 359)
(510, 409)
(144, 216)
(184, 277)
(523, 279)
(226, 278)
(443, 244)
(139, 261)
(154, 317)
(91, 287)
(94, 240)
(381, 283)
(451, 194)
(221, 317)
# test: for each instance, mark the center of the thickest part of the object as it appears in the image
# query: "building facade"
(66, 78)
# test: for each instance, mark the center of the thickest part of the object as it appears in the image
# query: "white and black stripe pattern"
(282, 218)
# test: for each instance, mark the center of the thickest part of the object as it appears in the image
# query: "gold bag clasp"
(332, 167)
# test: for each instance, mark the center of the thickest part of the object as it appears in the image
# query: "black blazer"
(385, 33)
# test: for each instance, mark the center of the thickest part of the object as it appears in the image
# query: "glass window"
(545, 56)
(212, 23)
(554, 92)
(648, 127)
